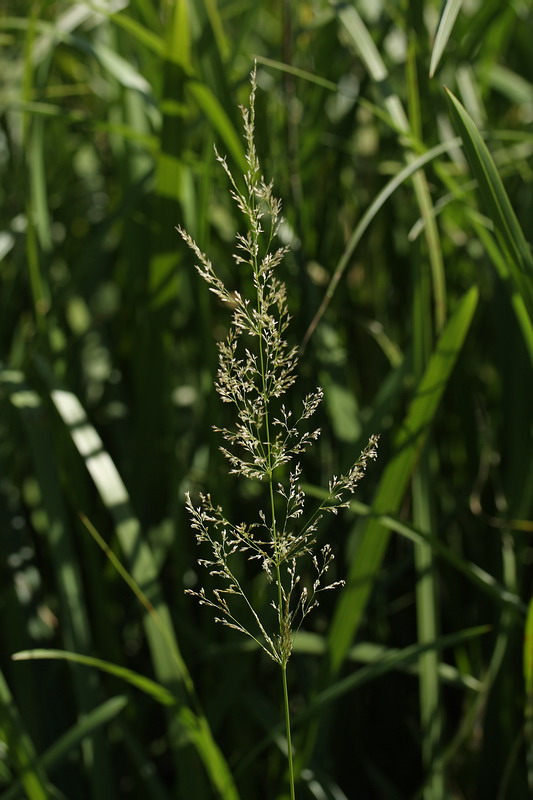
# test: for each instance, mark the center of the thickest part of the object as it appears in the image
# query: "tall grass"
(409, 285)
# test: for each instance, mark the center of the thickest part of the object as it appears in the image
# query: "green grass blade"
(367, 50)
(496, 202)
(39, 198)
(303, 74)
(362, 40)
(483, 580)
(20, 747)
(154, 690)
(124, 72)
(374, 537)
(390, 492)
(168, 663)
(115, 498)
(219, 119)
(444, 30)
(394, 660)
(376, 205)
(495, 254)
(140, 32)
(371, 653)
(75, 621)
(57, 753)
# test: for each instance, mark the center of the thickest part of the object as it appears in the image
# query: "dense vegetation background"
(416, 679)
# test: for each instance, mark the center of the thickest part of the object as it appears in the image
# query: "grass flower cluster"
(256, 369)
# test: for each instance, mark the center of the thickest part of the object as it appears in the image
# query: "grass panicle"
(257, 367)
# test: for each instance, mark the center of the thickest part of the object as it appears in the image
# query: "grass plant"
(257, 367)
(408, 277)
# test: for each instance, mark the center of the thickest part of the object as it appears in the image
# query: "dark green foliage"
(409, 276)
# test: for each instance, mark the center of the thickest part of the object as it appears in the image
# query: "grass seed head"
(256, 368)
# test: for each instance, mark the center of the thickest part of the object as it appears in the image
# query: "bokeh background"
(410, 286)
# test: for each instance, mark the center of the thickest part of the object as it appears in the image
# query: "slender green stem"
(288, 729)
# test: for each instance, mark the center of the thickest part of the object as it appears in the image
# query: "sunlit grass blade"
(444, 30)
(363, 43)
(168, 663)
(362, 40)
(76, 628)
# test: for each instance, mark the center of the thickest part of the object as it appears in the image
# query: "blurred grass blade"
(217, 26)
(60, 750)
(496, 202)
(371, 653)
(482, 579)
(444, 30)
(495, 254)
(303, 74)
(146, 685)
(373, 536)
(367, 50)
(119, 68)
(139, 32)
(22, 755)
(169, 666)
(115, 497)
(393, 660)
(219, 119)
(370, 214)
(409, 442)
(75, 620)
(39, 198)
(131, 583)
(360, 36)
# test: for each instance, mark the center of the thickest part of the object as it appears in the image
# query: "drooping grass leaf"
(146, 685)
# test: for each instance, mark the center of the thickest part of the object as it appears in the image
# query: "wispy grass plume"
(257, 367)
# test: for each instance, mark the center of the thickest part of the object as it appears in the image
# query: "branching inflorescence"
(256, 368)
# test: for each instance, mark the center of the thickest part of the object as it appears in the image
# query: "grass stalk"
(288, 731)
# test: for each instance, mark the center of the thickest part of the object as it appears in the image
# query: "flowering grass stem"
(256, 368)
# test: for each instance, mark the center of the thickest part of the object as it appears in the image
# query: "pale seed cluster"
(256, 368)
